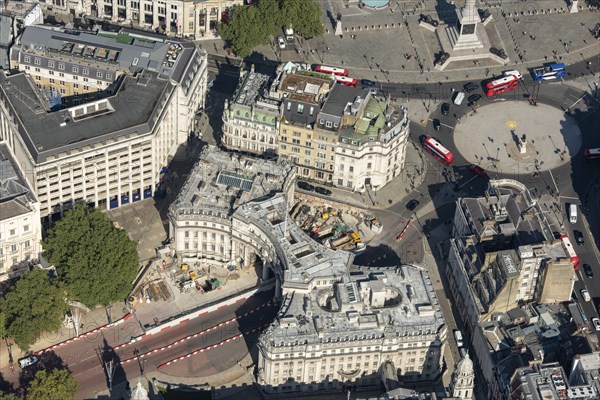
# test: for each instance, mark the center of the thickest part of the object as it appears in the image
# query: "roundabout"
(515, 138)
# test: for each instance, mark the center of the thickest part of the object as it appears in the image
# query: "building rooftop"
(168, 58)
(507, 211)
(305, 87)
(15, 194)
(359, 304)
(132, 110)
(221, 182)
(251, 99)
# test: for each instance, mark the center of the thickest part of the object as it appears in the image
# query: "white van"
(27, 361)
(573, 213)
(459, 338)
(458, 99)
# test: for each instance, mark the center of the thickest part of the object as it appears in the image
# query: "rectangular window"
(27, 244)
(27, 59)
(37, 61)
(61, 66)
(25, 228)
(13, 232)
(300, 108)
(85, 71)
(75, 69)
(99, 74)
(50, 64)
(328, 124)
(13, 248)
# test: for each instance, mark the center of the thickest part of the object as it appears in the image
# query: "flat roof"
(15, 193)
(168, 58)
(51, 133)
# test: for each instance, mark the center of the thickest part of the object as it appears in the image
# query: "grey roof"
(169, 59)
(50, 133)
(15, 193)
(340, 96)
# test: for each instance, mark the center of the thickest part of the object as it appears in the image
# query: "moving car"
(573, 213)
(477, 170)
(366, 82)
(596, 323)
(578, 237)
(458, 98)
(458, 337)
(445, 108)
(513, 72)
(469, 87)
(323, 191)
(474, 98)
(27, 361)
(437, 124)
(281, 43)
(586, 295)
(411, 205)
(588, 270)
(305, 186)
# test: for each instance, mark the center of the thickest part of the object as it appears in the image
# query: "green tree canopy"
(2, 325)
(57, 384)
(36, 304)
(8, 396)
(97, 262)
(251, 26)
(304, 16)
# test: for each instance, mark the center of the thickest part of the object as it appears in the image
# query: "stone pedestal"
(338, 28)
(465, 35)
(573, 7)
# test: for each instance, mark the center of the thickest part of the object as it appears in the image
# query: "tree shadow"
(5, 386)
(48, 361)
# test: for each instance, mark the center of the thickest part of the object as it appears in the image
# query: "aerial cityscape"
(300, 199)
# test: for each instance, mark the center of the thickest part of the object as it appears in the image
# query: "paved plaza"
(490, 137)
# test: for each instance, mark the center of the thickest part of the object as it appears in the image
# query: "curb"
(84, 335)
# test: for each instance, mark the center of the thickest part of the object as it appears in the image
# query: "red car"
(477, 170)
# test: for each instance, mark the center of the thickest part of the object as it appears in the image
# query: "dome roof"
(465, 366)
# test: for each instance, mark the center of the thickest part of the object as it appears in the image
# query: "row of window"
(61, 67)
(13, 248)
(13, 231)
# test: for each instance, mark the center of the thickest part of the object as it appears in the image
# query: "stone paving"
(490, 137)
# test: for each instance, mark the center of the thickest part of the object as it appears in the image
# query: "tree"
(36, 304)
(304, 16)
(245, 30)
(2, 325)
(58, 384)
(97, 262)
(8, 396)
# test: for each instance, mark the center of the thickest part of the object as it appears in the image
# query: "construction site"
(335, 228)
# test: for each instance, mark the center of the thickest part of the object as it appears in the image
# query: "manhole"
(138, 220)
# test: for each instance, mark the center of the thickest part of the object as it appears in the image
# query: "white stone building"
(109, 151)
(371, 148)
(338, 323)
(251, 118)
(20, 228)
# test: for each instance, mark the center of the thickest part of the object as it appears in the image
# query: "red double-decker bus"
(324, 69)
(501, 85)
(568, 246)
(346, 80)
(591, 154)
(436, 149)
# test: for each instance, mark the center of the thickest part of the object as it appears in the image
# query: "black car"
(323, 191)
(588, 270)
(469, 87)
(474, 98)
(436, 124)
(411, 205)
(306, 186)
(578, 237)
(445, 108)
(366, 82)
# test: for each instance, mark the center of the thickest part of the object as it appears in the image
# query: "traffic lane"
(214, 361)
(587, 306)
(92, 378)
(80, 351)
(196, 325)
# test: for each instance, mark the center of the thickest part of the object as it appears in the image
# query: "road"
(86, 358)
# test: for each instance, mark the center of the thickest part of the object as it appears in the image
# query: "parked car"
(588, 270)
(474, 98)
(596, 323)
(586, 295)
(366, 82)
(323, 191)
(305, 186)
(27, 361)
(470, 86)
(477, 170)
(411, 205)
(578, 237)
(513, 72)
(281, 42)
(445, 108)
(437, 125)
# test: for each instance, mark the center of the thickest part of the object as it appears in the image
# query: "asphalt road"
(86, 357)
